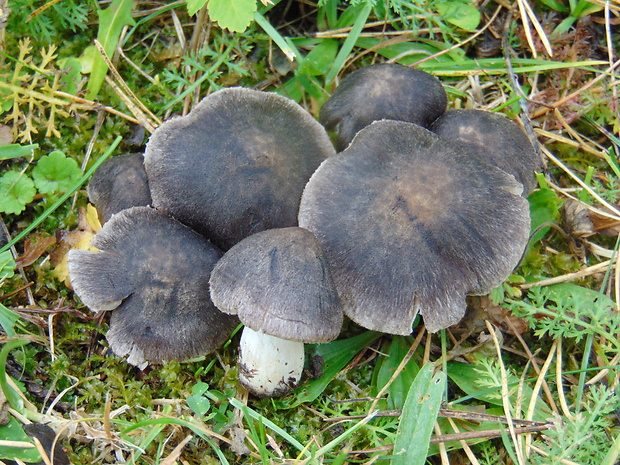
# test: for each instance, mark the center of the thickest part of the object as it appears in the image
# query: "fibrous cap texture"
(382, 91)
(278, 282)
(236, 164)
(410, 224)
(153, 272)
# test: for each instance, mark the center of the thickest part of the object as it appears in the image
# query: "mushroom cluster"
(246, 212)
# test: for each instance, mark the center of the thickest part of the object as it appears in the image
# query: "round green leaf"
(234, 15)
(55, 173)
(463, 15)
(16, 191)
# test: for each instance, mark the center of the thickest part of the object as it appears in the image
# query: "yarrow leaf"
(55, 173)
(568, 310)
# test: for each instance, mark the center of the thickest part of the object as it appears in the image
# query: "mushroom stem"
(269, 366)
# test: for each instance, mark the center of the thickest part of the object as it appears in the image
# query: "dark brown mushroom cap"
(278, 282)
(119, 183)
(382, 91)
(409, 224)
(236, 165)
(496, 139)
(157, 271)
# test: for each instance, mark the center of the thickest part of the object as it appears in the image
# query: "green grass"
(546, 376)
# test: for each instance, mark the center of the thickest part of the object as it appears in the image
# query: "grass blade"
(285, 45)
(344, 52)
(112, 20)
(418, 418)
(268, 423)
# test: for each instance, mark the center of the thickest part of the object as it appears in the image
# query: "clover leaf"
(16, 191)
(55, 173)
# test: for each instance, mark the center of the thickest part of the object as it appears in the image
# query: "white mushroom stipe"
(269, 366)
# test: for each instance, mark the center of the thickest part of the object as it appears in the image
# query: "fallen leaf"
(6, 137)
(79, 238)
(481, 308)
(582, 221)
(34, 247)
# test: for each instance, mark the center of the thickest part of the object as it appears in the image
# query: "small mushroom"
(236, 164)
(279, 285)
(119, 183)
(153, 272)
(495, 139)
(382, 91)
(411, 224)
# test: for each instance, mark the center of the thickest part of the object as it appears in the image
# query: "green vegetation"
(531, 376)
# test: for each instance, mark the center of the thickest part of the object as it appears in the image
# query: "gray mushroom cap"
(119, 183)
(278, 282)
(494, 138)
(410, 224)
(382, 91)
(153, 272)
(236, 164)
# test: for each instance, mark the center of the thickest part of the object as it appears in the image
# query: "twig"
(488, 434)
(464, 415)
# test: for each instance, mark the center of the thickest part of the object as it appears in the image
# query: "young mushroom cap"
(119, 183)
(382, 91)
(279, 284)
(153, 272)
(236, 164)
(410, 224)
(495, 139)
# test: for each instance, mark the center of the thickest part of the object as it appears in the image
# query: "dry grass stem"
(540, 381)
(443, 453)
(612, 208)
(565, 140)
(531, 357)
(470, 455)
(588, 271)
(505, 394)
(609, 72)
(176, 452)
(559, 381)
(146, 117)
(544, 454)
(458, 45)
(528, 16)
